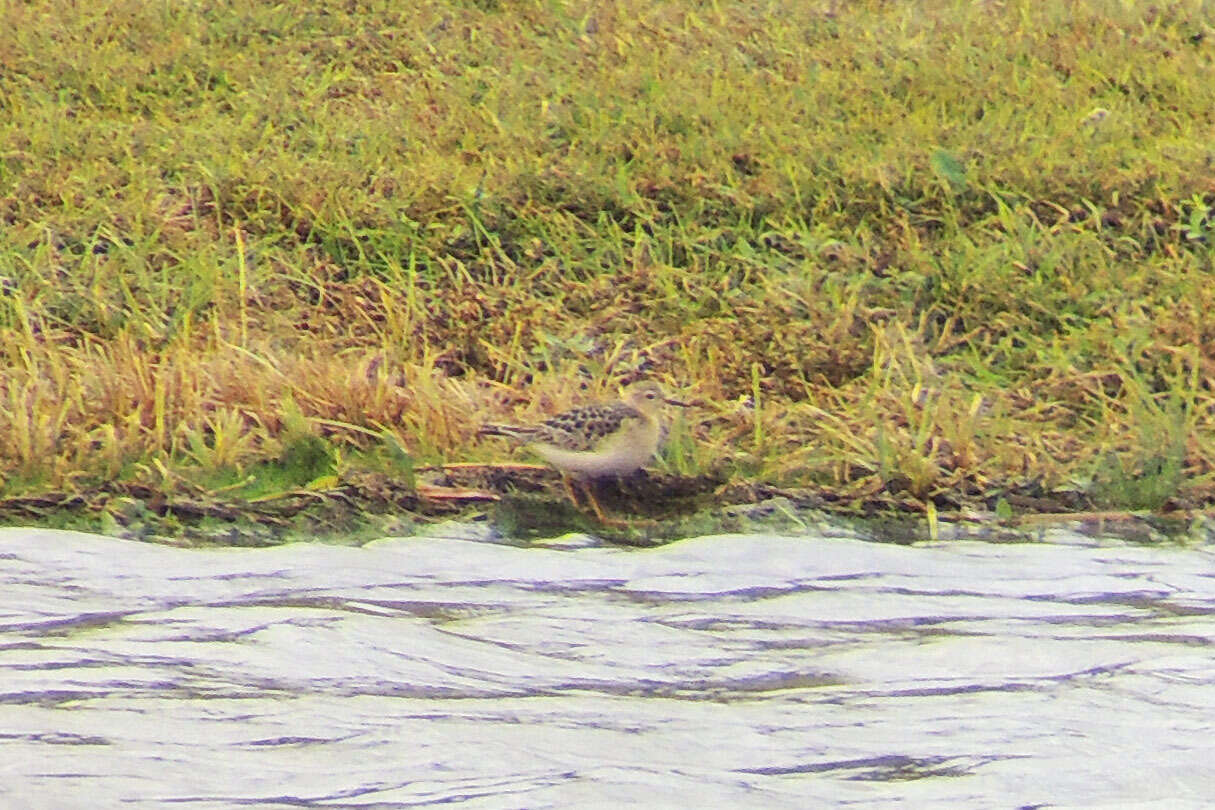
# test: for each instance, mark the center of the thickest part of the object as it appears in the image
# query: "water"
(732, 671)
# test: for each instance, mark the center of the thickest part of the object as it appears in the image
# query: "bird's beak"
(677, 402)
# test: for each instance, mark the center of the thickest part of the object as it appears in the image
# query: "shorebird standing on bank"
(597, 441)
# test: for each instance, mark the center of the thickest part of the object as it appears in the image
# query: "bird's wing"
(583, 428)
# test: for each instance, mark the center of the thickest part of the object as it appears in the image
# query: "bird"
(597, 441)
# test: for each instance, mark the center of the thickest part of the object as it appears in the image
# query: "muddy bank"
(525, 503)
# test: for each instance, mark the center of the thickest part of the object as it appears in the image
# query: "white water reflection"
(735, 671)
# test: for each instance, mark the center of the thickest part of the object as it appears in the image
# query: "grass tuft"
(928, 249)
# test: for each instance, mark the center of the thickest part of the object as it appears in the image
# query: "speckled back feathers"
(597, 440)
(583, 428)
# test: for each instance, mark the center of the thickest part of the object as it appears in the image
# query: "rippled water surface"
(731, 671)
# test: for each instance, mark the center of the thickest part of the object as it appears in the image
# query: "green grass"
(924, 246)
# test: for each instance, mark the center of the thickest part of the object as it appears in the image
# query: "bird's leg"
(588, 488)
(590, 496)
(569, 490)
(615, 523)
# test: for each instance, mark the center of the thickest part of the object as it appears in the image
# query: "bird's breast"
(625, 451)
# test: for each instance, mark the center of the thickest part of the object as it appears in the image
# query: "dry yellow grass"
(886, 244)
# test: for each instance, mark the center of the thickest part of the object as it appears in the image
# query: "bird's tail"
(509, 431)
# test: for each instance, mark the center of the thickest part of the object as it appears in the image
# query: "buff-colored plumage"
(597, 441)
